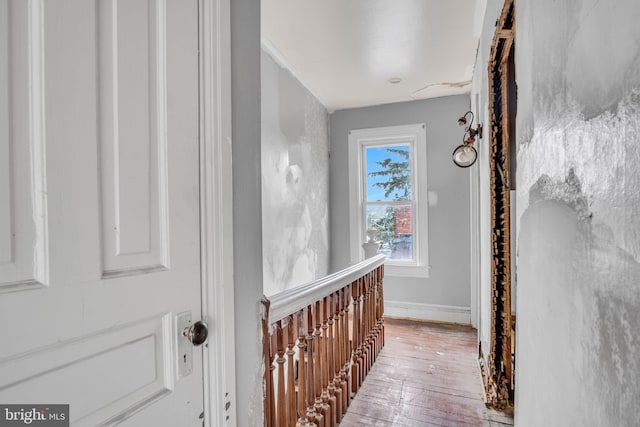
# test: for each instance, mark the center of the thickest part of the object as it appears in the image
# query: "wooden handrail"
(331, 331)
(292, 300)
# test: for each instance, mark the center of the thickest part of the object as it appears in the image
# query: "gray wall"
(578, 345)
(295, 181)
(247, 214)
(448, 220)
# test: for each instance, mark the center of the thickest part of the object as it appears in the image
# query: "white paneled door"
(99, 209)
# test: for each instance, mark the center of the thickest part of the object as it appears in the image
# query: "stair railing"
(319, 342)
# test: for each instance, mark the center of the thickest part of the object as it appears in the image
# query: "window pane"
(388, 173)
(394, 224)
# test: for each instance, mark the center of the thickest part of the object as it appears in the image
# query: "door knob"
(197, 333)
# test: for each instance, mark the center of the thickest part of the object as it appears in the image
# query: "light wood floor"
(426, 375)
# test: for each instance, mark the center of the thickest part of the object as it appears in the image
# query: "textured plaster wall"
(448, 219)
(295, 181)
(578, 339)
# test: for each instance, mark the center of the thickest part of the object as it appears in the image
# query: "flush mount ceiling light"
(465, 155)
(394, 80)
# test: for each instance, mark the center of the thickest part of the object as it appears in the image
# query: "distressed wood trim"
(499, 373)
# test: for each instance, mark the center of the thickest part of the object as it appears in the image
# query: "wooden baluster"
(370, 329)
(335, 391)
(281, 401)
(366, 354)
(268, 374)
(342, 373)
(346, 355)
(366, 357)
(362, 358)
(355, 327)
(374, 315)
(312, 414)
(372, 320)
(326, 409)
(292, 327)
(328, 398)
(361, 332)
(376, 319)
(381, 284)
(379, 277)
(272, 368)
(303, 421)
(371, 313)
(342, 383)
(321, 407)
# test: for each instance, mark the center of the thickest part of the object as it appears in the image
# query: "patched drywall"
(295, 180)
(447, 289)
(578, 72)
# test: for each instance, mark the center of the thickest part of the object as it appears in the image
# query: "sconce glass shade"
(464, 155)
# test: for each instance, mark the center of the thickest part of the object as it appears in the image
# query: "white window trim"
(416, 136)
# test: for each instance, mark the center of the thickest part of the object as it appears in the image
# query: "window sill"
(395, 270)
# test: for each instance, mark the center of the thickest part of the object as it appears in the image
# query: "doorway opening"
(499, 375)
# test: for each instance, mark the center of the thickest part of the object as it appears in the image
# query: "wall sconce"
(465, 155)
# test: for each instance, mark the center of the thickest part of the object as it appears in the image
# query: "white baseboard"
(431, 312)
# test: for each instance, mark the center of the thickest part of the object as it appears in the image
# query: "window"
(388, 193)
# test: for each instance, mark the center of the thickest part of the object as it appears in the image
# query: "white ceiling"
(345, 51)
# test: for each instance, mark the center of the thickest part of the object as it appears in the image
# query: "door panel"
(67, 370)
(133, 125)
(23, 212)
(99, 199)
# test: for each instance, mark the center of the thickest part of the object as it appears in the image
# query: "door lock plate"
(185, 348)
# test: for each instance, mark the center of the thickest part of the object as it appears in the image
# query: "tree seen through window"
(389, 201)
